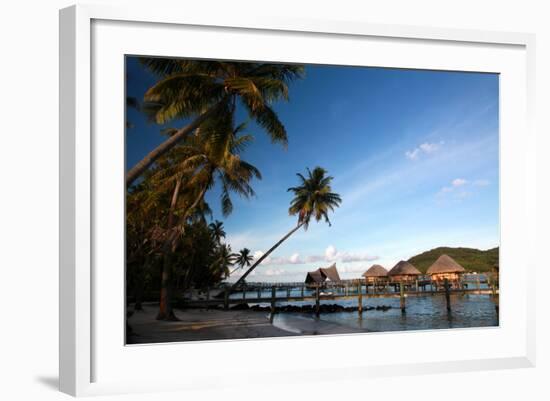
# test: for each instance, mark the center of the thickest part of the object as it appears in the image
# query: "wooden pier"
(345, 290)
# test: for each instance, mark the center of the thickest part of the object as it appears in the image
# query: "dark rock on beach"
(242, 306)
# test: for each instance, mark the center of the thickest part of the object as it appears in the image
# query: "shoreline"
(307, 325)
(213, 324)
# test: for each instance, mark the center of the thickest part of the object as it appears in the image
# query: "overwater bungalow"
(322, 275)
(443, 268)
(375, 273)
(403, 272)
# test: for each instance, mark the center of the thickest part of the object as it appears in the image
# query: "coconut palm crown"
(201, 90)
(313, 197)
(216, 228)
(244, 258)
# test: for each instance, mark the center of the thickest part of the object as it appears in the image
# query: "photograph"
(269, 199)
(341, 200)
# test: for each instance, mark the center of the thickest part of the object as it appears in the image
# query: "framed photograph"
(232, 188)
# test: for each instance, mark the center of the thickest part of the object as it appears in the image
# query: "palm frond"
(268, 120)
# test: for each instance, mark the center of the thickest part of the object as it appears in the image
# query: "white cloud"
(314, 258)
(460, 188)
(356, 257)
(429, 147)
(412, 154)
(258, 254)
(274, 272)
(424, 148)
(295, 258)
(351, 269)
(330, 255)
(458, 182)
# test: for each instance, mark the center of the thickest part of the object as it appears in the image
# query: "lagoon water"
(422, 313)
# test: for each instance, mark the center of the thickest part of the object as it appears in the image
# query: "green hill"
(471, 259)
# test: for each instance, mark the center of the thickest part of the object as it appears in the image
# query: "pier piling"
(317, 301)
(402, 296)
(360, 301)
(447, 294)
(273, 293)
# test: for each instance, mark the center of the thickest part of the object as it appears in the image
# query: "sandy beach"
(212, 324)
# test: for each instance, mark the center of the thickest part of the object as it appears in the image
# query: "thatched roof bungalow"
(323, 274)
(403, 271)
(375, 273)
(445, 267)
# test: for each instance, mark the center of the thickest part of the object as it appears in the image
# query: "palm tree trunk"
(140, 285)
(265, 255)
(138, 292)
(196, 202)
(140, 167)
(190, 208)
(165, 307)
(165, 304)
(138, 306)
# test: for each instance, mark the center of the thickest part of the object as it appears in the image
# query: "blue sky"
(414, 156)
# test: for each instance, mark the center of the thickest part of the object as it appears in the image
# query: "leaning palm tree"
(244, 258)
(312, 198)
(201, 90)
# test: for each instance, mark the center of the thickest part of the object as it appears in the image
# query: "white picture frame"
(92, 360)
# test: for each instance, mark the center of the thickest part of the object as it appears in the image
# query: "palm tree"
(202, 90)
(192, 168)
(244, 258)
(216, 228)
(312, 198)
(225, 259)
(213, 156)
